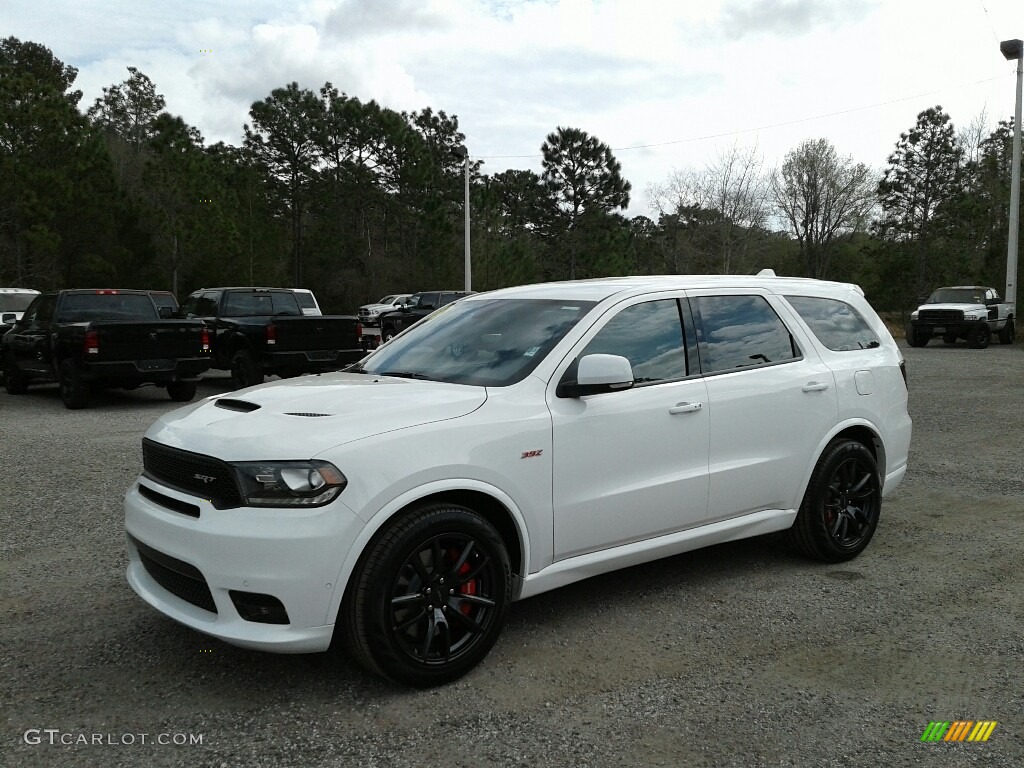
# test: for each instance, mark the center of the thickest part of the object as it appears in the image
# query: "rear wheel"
(428, 599)
(73, 390)
(15, 382)
(182, 391)
(244, 372)
(840, 509)
(980, 336)
(1007, 334)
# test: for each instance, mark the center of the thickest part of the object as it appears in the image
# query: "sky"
(667, 85)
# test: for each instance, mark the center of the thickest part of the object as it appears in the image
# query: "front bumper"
(294, 556)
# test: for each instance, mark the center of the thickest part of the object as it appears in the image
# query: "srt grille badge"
(205, 478)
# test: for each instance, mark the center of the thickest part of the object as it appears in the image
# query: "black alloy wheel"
(387, 334)
(244, 372)
(842, 504)
(916, 337)
(428, 600)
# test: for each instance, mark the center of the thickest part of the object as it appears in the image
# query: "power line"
(988, 18)
(762, 127)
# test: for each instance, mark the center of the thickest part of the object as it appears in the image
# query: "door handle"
(814, 386)
(685, 408)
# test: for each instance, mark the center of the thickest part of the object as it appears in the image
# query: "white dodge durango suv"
(511, 443)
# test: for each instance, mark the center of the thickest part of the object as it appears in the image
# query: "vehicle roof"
(602, 288)
(246, 288)
(104, 291)
(18, 290)
(967, 287)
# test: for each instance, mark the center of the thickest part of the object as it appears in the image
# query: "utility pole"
(1014, 49)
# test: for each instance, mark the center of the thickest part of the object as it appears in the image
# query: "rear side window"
(650, 336)
(835, 323)
(740, 332)
(305, 299)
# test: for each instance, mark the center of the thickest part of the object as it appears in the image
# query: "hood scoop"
(243, 406)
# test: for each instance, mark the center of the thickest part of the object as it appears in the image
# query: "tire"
(840, 509)
(15, 382)
(387, 334)
(391, 618)
(916, 338)
(182, 391)
(1008, 333)
(980, 336)
(244, 372)
(73, 391)
(949, 338)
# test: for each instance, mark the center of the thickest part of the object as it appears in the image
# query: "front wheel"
(980, 336)
(949, 338)
(1007, 334)
(182, 391)
(840, 509)
(916, 338)
(15, 382)
(428, 599)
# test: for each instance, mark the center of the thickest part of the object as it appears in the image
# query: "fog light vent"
(263, 609)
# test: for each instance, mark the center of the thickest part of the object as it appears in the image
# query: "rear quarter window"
(835, 323)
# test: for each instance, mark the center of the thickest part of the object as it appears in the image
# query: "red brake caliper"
(469, 588)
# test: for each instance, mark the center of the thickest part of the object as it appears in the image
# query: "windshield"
(491, 343)
(958, 296)
(387, 300)
(15, 302)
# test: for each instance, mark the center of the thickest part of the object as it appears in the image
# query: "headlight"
(913, 315)
(289, 483)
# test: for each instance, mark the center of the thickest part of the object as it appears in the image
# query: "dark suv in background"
(415, 309)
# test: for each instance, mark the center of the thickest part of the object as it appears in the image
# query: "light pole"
(1014, 49)
(462, 152)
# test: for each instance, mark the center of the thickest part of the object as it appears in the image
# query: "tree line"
(356, 200)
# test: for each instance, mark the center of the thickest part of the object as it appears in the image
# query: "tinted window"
(740, 331)
(29, 317)
(16, 302)
(305, 299)
(836, 324)
(650, 336)
(79, 307)
(427, 301)
(244, 304)
(164, 299)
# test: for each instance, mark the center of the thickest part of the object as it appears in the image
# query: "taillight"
(204, 338)
(91, 346)
(271, 334)
(359, 330)
(903, 370)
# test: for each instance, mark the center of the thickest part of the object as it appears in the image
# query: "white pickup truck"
(970, 312)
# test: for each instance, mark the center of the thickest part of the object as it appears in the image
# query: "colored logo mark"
(959, 730)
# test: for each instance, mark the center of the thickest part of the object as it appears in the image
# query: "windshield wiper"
(406, 375)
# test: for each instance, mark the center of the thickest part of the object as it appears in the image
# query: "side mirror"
(8, 318)
(596, 374)
(165, 313)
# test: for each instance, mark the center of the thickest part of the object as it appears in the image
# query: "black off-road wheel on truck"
(1008, 333)
(428, 599)
(916, 337)
(73, 390)
(244, 371)
(182, 391)
(840, 509)
(15, 382)
(980, 336)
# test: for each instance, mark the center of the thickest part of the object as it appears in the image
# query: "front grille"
(941, 316)
(177, 577)
(202, 476)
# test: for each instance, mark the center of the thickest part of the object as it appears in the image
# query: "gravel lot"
(739, 655)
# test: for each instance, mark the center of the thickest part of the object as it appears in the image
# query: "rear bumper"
(156, 371)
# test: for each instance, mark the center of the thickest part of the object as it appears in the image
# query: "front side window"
(835, 323)
(16, 302)
(491, 343)
(740, 332)
(650, 336)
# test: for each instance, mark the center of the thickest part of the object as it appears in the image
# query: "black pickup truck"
(260, 331)
(415, 309)
(91, 339)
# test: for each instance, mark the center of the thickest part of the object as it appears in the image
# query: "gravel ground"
(738, 655)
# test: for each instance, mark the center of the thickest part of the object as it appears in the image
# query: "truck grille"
(941, 316)
(177, 577)
(202, 476)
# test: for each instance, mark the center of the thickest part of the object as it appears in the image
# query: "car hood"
(377, 307)
(302, 417)
(964, 307)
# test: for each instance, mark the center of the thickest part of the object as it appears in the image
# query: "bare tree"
(973, 136)
(822, 197)
(727, 200)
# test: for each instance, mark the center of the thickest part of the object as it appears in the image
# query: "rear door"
(772, 400)
(632, 464)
